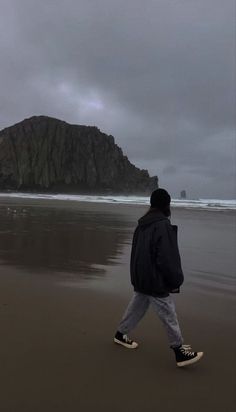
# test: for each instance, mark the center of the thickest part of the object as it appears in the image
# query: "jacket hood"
(151, 217)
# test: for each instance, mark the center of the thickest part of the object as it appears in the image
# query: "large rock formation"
(46, 154)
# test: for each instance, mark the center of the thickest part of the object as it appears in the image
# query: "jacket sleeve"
(168, 258)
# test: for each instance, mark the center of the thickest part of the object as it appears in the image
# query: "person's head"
(160, 199)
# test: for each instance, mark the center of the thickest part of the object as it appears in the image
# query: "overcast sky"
(159, 75)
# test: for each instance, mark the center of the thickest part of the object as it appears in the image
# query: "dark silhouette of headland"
(46, 154)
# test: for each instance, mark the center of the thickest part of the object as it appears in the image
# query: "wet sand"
(64, 284)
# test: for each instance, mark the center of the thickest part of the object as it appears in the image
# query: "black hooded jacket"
(155, 265)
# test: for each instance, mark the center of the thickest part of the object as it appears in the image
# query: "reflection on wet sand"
(68, 240)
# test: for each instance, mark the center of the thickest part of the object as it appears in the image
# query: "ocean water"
(206, 204)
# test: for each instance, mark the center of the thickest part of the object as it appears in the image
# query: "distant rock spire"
(183, 194)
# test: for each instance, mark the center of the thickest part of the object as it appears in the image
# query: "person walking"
(156, 273)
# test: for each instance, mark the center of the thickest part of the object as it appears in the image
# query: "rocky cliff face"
(43, 153)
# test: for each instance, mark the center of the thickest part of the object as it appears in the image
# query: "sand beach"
(64, 284)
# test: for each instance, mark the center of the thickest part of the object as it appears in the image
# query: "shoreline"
(64, 285)
(58, 354)
(212, 205)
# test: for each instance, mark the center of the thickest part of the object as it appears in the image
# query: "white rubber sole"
(190, 361)
(133, 346)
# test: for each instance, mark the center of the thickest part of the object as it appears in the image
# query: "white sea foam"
(209, 204)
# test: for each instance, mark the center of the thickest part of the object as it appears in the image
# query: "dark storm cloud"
(159, 75)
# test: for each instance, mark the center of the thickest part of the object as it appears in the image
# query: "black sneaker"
(184, 356)
(125, 341)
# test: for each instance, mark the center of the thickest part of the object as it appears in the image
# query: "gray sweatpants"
(164, 307)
